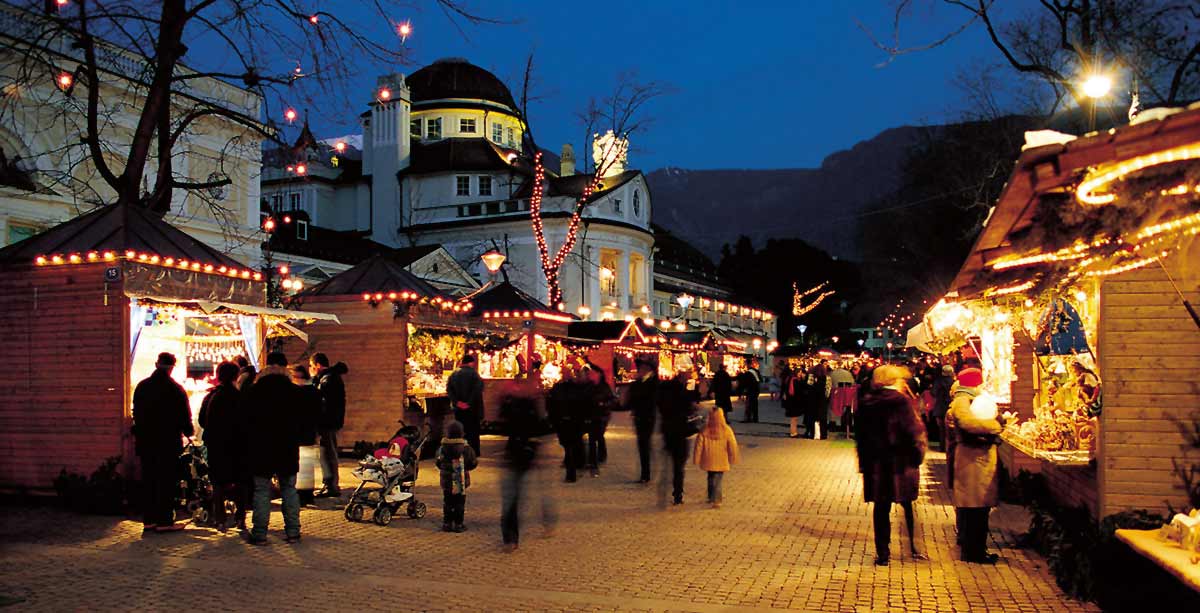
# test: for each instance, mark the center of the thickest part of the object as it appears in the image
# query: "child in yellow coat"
(716, 451)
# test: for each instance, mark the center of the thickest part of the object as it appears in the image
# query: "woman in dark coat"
(891, 442)
(816, 401)
(791, 390)
(225, 437)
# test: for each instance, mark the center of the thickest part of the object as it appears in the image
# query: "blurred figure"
(641, 399)
(891, 444)
(976, 427)
(750, 384)
(563, 406)
(598, 401)
(722, 389)
(716, 451)
(455, 460)
(817, 388)
(224, 425)
(940, 391)
(675, 404)
(522, 424)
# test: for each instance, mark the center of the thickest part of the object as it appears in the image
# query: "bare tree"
(1155, 41)
(101, 68)
(623, 113)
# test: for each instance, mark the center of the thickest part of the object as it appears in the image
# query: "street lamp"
(493, 260)
(835, 340)
(861, 342)
(684, 301)
(1095, 87)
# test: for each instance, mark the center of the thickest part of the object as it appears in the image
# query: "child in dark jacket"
(455, 460)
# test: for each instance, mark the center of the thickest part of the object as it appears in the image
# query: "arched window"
(637, 203)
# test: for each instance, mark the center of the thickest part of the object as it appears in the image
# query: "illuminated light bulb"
(313, 19)
(258, 276)
(40, 260)
(301, 169)
(169, 262)
(142, 257)
(222, 269)
(130, 254)
(245, 274)
(297, 284)
(1028, 302)
(183, 263)
(195, 265)
(339, 146)
(65, 79)
(366, 296)
(649, 321)
(404, 29)
(391, 295)
(109, 256)
(385, 94)
(290, 115)
(1097, 86)
(154, 259)
(57, 259)
(269, 224)
(379, 296)
(283, 270)
(1081, 296)
(286, 284)
(208, 268)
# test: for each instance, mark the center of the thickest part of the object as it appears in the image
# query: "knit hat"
(454, 429)
(970, 377)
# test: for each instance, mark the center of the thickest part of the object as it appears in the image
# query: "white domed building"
(441, 161)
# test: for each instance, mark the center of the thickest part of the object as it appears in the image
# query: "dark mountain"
(820, 205)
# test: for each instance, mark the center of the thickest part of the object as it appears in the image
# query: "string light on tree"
(290, 115)
(798, 306)
(404, 30)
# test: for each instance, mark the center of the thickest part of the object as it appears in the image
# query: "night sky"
(755, 87)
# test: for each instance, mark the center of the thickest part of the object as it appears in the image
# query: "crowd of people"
(254, 424)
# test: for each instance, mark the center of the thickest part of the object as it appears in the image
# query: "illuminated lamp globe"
(339, 146)
(405, 29)
(835, 339)
(1097, 86)
(758, 343)
(493, 260)
(385, 94)
(685, 301)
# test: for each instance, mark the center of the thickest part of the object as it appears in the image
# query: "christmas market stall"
(86, 307)
(399, 337)
(615, 345)
(1076, 298)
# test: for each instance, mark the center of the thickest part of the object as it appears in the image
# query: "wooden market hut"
(375, 301)
(612, 337)
(70, 318)
(1118, 210)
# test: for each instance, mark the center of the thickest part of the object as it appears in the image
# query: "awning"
(211, 307)
(919, 337)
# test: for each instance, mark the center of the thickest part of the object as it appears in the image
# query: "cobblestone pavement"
(793, 533)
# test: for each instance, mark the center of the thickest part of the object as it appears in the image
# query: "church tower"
(386, 151)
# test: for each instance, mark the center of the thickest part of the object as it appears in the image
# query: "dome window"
(466, 126)
(637, 203)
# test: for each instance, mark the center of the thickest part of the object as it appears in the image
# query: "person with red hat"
(974, 425)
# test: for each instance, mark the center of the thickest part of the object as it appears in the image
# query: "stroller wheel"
(416, 510)
(383, 515)
(354, 512)
(200, 516)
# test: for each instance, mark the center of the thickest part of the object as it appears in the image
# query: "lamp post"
(685, 302)
(493, 260)
(802, 328)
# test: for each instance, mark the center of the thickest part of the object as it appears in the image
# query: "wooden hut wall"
(1149, 353)
(62, 387)
(374, 345)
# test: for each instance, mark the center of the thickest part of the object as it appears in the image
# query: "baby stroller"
(195, 487)
(394, 470)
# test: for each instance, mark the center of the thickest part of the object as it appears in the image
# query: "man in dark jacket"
(274, 435)
(642, 400)
(161, 417)
(675, 404)
(722, 388)
(308, 414)
(465, 389)
(564, 405)
(224, 424)
(333, 417)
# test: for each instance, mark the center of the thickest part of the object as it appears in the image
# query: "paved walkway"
(793, 533)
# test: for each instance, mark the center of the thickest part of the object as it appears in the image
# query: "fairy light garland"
(93, 257)
(798, 306)
(1086, 192)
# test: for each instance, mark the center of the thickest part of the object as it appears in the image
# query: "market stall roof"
(383, 272)
(116, 228)
(1038, 220)
(507, 298)
(690, 337)
(637, 331)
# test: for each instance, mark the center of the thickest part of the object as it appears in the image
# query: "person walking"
(750, 384)
(333, 417)
(598, 400)
(940, 392)
(816, 402)
(792, 396)
(161, 418)
(455, 460)
(275, 451)
(308, 417)
(716, 451)
(891, 443)
(522, 424)
(223, 426)
(976, 426)
(465, 389)
(563, 404)
(675, 405)
(722, 388)
(641, 399)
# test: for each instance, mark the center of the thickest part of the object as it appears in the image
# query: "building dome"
(457, 78)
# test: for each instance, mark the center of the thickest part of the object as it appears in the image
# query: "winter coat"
(161, 416)
(722, 387)
(891, 443)
(941, 396)
(599, 403)
(274, 426)
(223, 419)
(794, 391)
(749, 382)
(453, 449)
(565, 405)
(308, 414)
(333, 394)
(716, 446)
(641, 398)
(675, 404)
(465, 385)
(976, 480)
